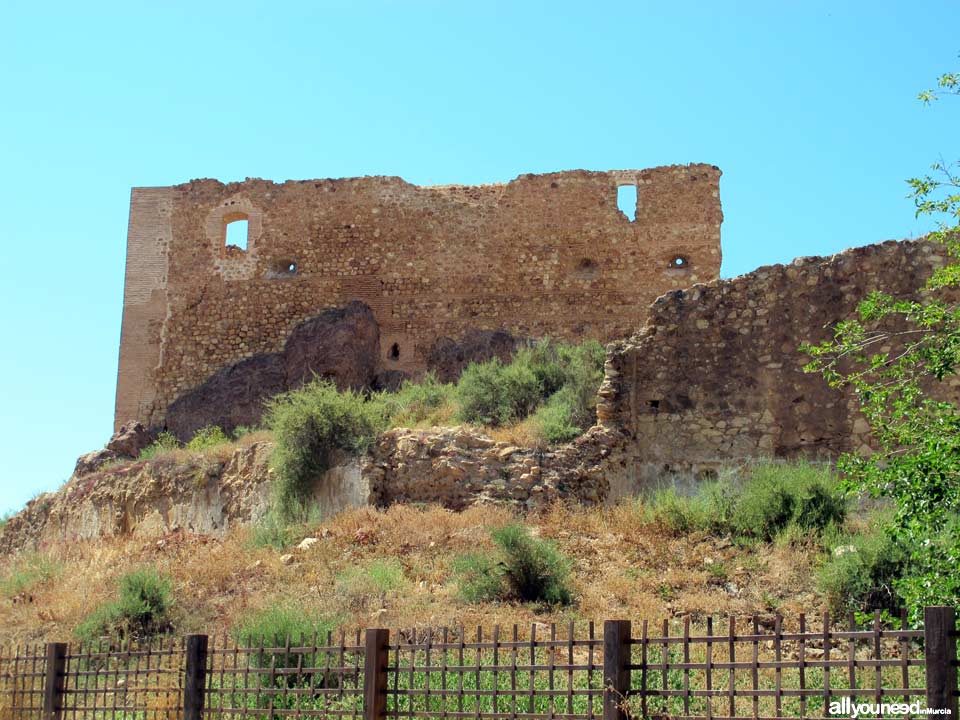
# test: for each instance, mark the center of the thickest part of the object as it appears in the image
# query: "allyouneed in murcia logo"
(846, 706)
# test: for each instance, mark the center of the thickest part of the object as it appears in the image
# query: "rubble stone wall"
(716, 376)
(541, 255)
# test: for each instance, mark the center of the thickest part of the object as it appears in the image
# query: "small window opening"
(679, 262)
(586, 269)
(627, 201)
(236, 233)
(292, 268)
(395, 352)
(654, 404)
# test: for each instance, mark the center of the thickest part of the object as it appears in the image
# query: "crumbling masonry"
(541, 255)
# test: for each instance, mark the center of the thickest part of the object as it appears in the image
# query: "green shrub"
(369, 586)
(861, 571)
(207, 437)
(776, 495)
(558, 381)
(273, 626)
(27, 571)
(272, 531)
(418, 402)
(554, 420)
(672, 510)
(142, 608)
(494, 394)
(790, 501)
(763, 510)
(165, 442)
(480, 577)
(524, 568)
(308, 425)
(583, 371)
(240, 430)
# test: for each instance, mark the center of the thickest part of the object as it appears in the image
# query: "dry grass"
(623, 567)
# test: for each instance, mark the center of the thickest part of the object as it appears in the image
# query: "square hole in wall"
(627, 201)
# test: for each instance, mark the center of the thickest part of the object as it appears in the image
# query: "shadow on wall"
(341, 344)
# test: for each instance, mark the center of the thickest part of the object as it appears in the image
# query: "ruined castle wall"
(541, 255)
(716, 375)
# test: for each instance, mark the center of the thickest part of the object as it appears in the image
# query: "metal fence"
(761, 667)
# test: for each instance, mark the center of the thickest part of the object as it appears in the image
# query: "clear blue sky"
(808, 107)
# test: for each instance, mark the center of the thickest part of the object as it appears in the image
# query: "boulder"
(229, 398)
(448, 358)
(93, 461)
(130, 439)
(126, 443)
(341, 344)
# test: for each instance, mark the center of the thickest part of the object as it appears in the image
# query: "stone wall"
(715, 375)
(541, 255)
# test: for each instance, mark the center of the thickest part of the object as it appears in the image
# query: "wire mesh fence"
(760, 667)
(303, 676)
(451, 673)
(23, 670)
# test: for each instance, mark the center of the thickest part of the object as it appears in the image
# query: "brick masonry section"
(541, 255)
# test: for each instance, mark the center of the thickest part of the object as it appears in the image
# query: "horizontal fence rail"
(759, 667)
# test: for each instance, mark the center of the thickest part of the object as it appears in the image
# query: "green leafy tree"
(896, 358)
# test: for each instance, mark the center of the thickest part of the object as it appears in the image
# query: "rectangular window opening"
(627, 201)
(237, 233)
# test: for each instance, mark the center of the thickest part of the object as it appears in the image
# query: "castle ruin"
(542, 255)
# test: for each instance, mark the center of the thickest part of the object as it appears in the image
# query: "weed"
(142, 608)
(28, 571)
(526, 568)
(309, 424)
(165, 442)
(207, 437)
(369, 586)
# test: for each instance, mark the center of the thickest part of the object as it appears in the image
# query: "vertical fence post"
(940, 653)
(616, 668)
(195, 680)
(375, 674)
(53, 685)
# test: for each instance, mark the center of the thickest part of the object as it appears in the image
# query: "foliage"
(861, 570)
(272, 627)
(773, 499)
(28, 571)
(369, 586)
(207, 437)
(142, 608)
(165, 442)
(555, 418)
(897, 357)
(494, 394)
(309, 424)
(428, 401)
(556, 382)
(524, 568)
(272, 531)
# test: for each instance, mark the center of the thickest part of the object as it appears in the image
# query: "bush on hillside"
(207, 437)
(308, 425)
(556, 382)
(554, 420)
(142, 608)
(272, 627)
(369, 586)
(494, 394)
(428, 401)
(165, 442)
(861, 571)
(773, 498)
(523, 568)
